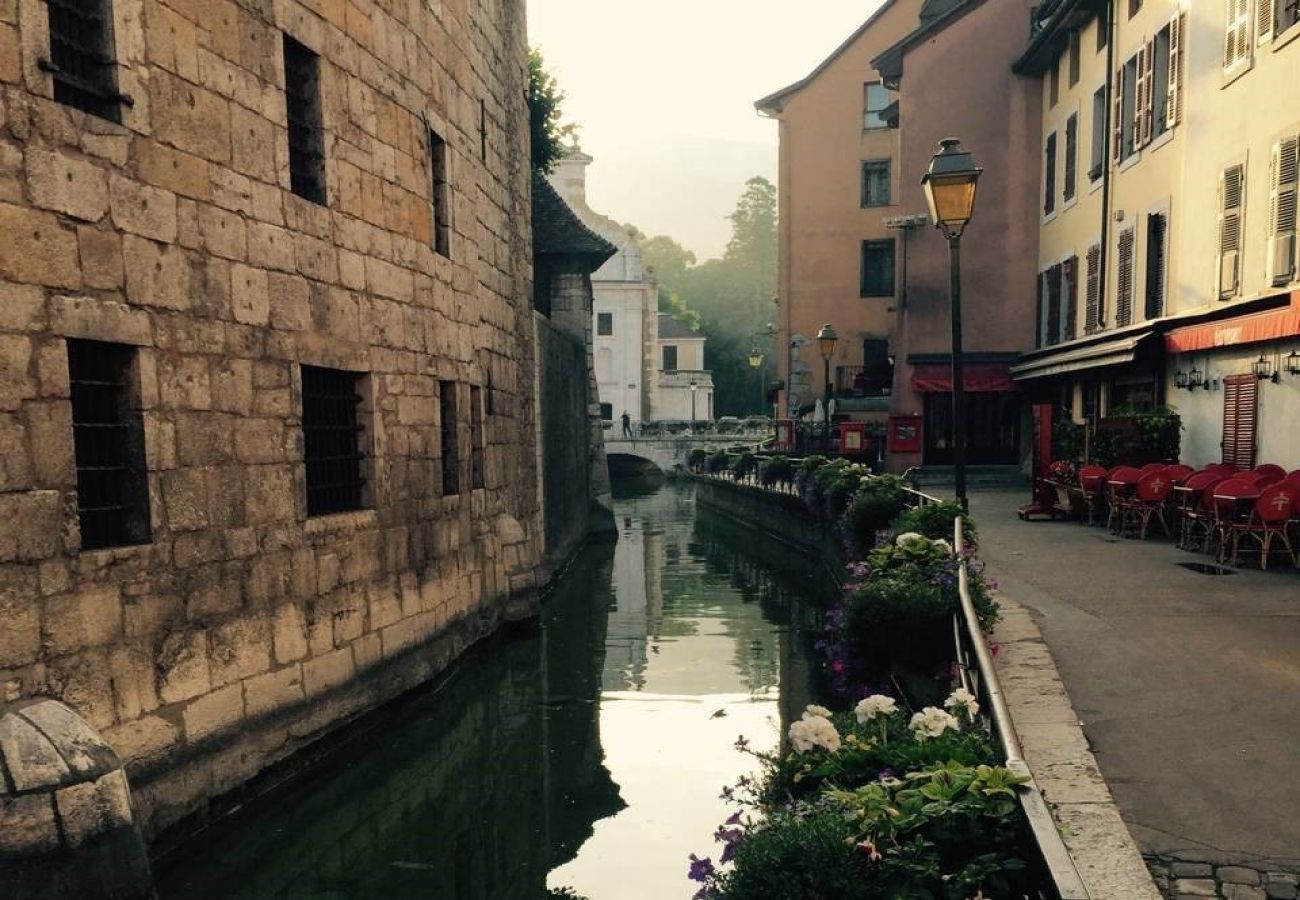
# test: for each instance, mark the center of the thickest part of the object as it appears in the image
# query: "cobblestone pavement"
(1197, 881)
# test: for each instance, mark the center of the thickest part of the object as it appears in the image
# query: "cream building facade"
(685, 387)
(624, 314)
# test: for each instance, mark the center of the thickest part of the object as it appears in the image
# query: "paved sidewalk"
(1188, 686)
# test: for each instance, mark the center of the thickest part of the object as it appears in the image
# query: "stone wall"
(244, 628)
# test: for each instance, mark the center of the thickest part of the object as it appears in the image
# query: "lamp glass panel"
(952, 198)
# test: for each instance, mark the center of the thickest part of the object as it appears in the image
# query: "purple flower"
(728, 852)
(733, 819)
(701, 869)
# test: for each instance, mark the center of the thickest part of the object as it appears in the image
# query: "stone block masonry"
(221, 627)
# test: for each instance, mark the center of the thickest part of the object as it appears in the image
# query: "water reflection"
(592, 749)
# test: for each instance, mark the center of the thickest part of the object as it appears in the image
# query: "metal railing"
(981, 679)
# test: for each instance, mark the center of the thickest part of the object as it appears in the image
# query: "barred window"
(450, 437)
(877, 275)
(875, 182)
(331, 430)
(439, 194)
(306, 124)
(81, 57)
(108, 436)
(477, 440)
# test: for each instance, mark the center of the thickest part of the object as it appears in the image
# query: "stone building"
(267, 406)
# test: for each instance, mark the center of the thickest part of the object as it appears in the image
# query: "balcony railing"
(859, 381)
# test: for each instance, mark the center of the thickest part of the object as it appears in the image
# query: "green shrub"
(719, 462)
(834, 485)
(1136, 437)
(934, 520)
(873, 507)
(696, 459)
(775, 470)
(810, 464)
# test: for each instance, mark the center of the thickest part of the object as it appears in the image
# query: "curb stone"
(1057, 752)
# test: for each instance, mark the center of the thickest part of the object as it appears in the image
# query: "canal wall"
(223, 624)
(782, 517)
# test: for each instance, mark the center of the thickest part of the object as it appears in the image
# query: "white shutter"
(1174, 93)
(1264, 21)
(1282, 212)
(1117, 117)
(1243, 31)
(1237, 41)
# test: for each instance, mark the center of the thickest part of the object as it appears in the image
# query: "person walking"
(627, 424)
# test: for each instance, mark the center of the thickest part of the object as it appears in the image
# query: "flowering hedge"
(875, 803)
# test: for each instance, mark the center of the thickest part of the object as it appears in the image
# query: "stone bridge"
(668, 451)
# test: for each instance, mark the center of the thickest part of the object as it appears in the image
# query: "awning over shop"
(1076, 359)
(978, 378)
(1263, 326)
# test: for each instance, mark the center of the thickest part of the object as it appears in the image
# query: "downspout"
(1107, 162)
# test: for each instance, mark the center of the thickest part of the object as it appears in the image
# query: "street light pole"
(950, 184)
(693, 386)
(826, 341)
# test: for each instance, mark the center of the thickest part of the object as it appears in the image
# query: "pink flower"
(837, 666)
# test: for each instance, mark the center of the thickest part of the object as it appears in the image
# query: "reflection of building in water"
(638, 599)
(579, 789)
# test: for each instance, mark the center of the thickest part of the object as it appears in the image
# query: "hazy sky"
(663, 92)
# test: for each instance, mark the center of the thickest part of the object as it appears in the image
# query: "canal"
(586, 752)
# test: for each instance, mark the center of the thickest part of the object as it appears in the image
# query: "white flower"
(814, 731)
(963, 699)
(875, 705)
(908, 538)
(943, 545)
(932, 722)
(815, 710)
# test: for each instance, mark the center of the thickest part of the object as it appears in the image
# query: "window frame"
(440, 193)
(601, 319)
(868, 111)
(449, 437)
(665, 350)
(1049, 176)
(878, 246)
(105, 400)
(1070, 162)
(334, 475)
(305, 118)
(1098, 150)
(867, 181)
(79, 79)
(1155, 308)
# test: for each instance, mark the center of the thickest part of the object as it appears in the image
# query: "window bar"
(80, 58)
(332, 442)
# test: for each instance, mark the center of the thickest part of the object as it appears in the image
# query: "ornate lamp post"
(756, 363)
(693, 387)
(950, 190)
(826, 341)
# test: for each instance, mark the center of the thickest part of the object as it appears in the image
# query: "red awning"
(1264, 326)
(978, 378)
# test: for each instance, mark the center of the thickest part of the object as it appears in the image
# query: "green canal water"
(586, 752)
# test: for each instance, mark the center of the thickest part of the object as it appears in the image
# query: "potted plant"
(1063, 475)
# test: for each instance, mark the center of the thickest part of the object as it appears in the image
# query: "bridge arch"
(633, 463)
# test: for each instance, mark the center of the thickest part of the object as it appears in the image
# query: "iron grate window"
(108, 437)
(331, 432)
(81, 57)
(449, 437)
(440, 194)
(877, 275)
(477, 442)
(306, 127)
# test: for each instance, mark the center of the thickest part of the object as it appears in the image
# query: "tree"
(545, 100)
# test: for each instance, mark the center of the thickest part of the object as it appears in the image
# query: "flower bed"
(903, 796)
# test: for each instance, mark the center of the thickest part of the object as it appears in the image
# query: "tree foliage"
(545, 102)
(729, 300)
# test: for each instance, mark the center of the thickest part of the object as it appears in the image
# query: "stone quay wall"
(244, 629)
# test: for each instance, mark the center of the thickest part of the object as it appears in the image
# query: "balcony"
(861, 381)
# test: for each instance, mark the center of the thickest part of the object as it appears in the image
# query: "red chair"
(1178, 473)
(1149, 500)
(1270, 469)
(1224, 469)
(1228, 498)
(1263, 479)
(1270, 519)
(1293, 478)
(1195, 513)
(1152, 467)
(1120, 485)
(1092, 481)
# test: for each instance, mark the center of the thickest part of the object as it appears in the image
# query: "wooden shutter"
(1071, 156)
(1124, 280)
(1049, 174)
(1282, 212)
(1174, 92)
(1117, 117)
(1240, 404)
(1263, 21)
(1230, 194)
(1237, 40)
(1070, 297)
(1092, 291)
(1054, 304)
(1155, 274)
(1040, 319)
(1142, 97)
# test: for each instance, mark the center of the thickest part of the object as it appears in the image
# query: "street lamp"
(950, 190)
(826, 341)
(756, 363)
(693, 388)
